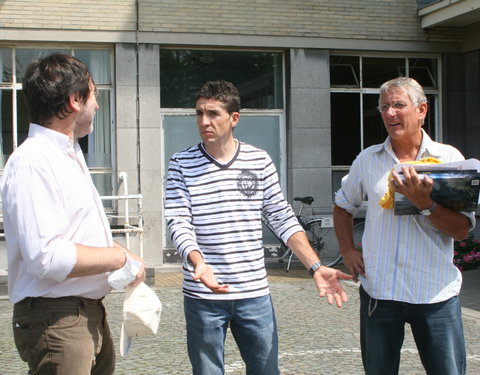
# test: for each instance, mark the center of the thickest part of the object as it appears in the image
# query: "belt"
(83, 300)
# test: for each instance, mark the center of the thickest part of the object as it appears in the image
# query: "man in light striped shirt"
(405, 266)
(216, 194)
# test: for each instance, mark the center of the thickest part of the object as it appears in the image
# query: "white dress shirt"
(406, 258)
(49, 205)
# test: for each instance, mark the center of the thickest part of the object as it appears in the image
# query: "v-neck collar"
(215, 161)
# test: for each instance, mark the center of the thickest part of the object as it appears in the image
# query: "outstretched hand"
(204, 273)
(328, 284)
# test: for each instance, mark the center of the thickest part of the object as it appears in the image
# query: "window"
(97, 146)
(257, 75)
(355, 121)
(259, 79)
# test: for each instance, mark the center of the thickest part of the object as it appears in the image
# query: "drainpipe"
(139, 182)
(139, 160)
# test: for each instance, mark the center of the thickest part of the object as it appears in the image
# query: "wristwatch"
(314, 267)
(429, 211)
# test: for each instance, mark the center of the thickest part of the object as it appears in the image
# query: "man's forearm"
(298, 243)
(450, 222)
(343, 225)
(96, 260)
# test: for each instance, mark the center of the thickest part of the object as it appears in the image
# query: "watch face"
(429, 211)
(315, 267)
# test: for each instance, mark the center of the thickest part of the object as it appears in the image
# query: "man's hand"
(328, 284)
(140, 277)
(204, 273)
(415, 189)
(353, 260)
(141, 272)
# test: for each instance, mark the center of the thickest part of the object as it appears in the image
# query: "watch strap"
(314, 267)
(429, 211)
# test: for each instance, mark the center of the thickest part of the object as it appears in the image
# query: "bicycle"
(320, 233)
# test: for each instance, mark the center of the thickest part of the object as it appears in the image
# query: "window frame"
(282, 172)
(281, 113)
(338, 170)
(370, 90)
(16, 87)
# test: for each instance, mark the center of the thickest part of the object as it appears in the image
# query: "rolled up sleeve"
(37, 222)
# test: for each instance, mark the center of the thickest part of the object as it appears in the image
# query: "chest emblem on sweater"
(247, 183)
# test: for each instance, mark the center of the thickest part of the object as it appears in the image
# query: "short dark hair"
(222, 91)
(49, 82)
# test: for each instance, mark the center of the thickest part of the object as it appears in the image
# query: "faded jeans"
(252, 323)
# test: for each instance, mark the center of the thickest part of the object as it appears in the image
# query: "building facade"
(308, 74)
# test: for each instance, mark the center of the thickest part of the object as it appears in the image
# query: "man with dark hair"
(216, 193)
(405, 266)
(59, 245)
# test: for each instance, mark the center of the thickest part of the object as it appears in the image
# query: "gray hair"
(412, 88)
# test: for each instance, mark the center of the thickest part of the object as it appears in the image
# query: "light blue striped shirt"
(406, 258)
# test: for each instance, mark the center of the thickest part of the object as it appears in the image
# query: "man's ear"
(74, 103)
(422, 109)
(235, 117)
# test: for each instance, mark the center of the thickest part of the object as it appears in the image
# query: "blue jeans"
(252, 323)
(437, 329)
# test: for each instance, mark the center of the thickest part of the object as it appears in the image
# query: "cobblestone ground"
(315, 338)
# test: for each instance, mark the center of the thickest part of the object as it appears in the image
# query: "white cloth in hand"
(120, 278)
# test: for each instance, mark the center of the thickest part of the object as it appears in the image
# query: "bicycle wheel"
(324, 242)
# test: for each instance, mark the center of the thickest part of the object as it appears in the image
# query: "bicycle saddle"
(304, 200)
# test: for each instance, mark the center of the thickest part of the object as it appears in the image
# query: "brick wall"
(116, 15)
(349, 19)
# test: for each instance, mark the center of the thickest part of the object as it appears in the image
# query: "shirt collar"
(428, 148)
(60, 140)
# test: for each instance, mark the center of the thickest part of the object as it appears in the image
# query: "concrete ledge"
(3, 277)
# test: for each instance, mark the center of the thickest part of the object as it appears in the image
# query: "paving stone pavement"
(315, 338)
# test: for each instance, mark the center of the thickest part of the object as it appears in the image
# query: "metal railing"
(128, 227)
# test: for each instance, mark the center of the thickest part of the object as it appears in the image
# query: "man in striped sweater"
(216, 194)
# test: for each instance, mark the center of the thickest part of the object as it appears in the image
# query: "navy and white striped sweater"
(217, 209)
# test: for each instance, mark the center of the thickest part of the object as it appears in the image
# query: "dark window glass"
(22, 118)
(429, 124)
(6, 65)
(6, 123)
(424, 71)
(345, 115)
(379, 70)
(364, 125)
(374, 131)
(257, 75)
(344, 71)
